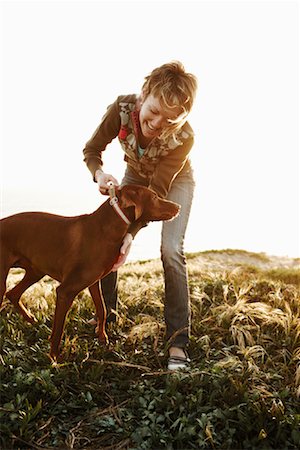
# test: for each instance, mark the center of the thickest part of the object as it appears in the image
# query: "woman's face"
(154, 117)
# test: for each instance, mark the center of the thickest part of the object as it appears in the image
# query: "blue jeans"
(177, 303)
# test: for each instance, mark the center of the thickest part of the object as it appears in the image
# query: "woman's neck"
(144, 142)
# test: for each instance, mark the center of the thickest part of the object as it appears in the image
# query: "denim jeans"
(176, 301)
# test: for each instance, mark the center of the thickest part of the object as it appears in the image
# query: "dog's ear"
(130, 198)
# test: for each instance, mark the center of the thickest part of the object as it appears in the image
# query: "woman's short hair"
(175, 88)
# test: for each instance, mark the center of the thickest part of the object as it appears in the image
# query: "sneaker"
(178, 363)
(110, 319)
(93, 321)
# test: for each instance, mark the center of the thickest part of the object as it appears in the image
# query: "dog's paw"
(53, 358)
(103, 338)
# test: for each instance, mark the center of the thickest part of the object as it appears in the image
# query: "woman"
(156, 138)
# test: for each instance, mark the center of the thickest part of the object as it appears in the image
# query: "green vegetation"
(242, 392)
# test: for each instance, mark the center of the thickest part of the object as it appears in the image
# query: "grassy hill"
(242, 392)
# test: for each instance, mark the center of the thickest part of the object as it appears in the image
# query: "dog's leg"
(64, 300)
(96, 293)
(31, 276)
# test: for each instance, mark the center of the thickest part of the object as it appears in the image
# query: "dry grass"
(243, 390)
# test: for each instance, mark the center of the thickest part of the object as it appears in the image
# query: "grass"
(242, 392)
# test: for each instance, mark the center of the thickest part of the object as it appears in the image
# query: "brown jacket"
(161, 161)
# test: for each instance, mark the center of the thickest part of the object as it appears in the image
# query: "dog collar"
(114, 202)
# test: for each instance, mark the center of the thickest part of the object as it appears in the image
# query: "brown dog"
(76, 251)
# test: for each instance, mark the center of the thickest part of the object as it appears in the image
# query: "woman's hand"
(102, 180)
(124, 251)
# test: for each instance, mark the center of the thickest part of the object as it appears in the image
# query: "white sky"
(64, 62)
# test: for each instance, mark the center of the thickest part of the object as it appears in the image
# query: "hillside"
(242, 391)
(229, 259)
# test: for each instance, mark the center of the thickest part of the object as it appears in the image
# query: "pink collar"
(114, 202)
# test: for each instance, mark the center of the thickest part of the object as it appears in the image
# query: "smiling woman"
(157, 140)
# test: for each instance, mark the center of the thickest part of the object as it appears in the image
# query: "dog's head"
(148, 206)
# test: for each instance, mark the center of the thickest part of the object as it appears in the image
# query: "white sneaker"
(178, 363)
(93, 321)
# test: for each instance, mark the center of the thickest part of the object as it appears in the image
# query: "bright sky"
(64, 62)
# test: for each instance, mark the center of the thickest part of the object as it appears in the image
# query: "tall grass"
(242, 391)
